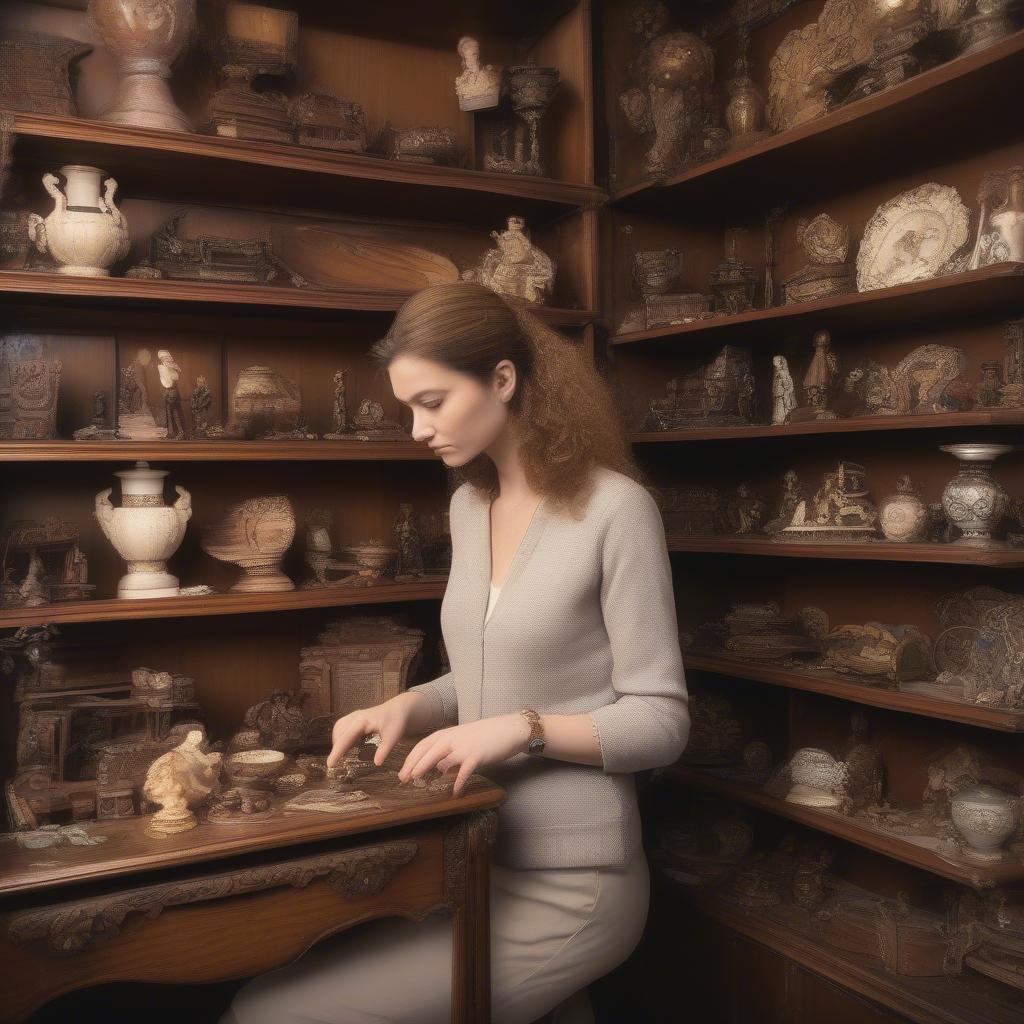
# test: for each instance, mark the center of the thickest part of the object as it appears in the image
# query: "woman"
(559, 602)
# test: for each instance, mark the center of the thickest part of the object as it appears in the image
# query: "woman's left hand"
(470, 746)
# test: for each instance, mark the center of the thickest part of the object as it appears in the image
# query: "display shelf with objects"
(217, 532)
(790, 255)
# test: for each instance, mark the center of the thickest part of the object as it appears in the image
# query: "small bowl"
(256, 764)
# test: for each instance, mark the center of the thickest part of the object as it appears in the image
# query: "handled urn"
(85, 233)
(144, 531)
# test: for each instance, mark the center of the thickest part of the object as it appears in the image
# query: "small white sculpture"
(478, 88)
(170, 373)
(516, 267)
(783, 391)
(180, 780)
(85, 232)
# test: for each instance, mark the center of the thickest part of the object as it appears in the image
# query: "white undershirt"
(495, 591)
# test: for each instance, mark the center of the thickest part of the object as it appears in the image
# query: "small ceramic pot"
(986, 817)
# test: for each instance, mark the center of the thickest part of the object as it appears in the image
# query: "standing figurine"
(820, 376)
(170, 373)
(478, 88)
(201, 401)
(340, 408)
(407, 540)
(783, 391)
(99, 410)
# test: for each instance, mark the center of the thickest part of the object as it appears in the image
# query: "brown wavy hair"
(562, 411)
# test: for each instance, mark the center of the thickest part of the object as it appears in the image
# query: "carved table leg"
(467, 890)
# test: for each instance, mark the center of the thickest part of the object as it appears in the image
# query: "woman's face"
(453, 413)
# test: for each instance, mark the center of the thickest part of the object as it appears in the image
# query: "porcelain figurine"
(478, 87)
(146, 36)
(178, 781)
(516, 267)
(85, 233)
(170, 373)
(783, 391)
(144, 531)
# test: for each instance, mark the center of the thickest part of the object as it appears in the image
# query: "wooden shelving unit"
(960, 1001)
(841, 425)
(216, 451)
(877, 551)
(977, 876)
(122, 610)
(214, 169)
(844, 163)
(852, 143)
(833, 684)
(994, 289)
(29, 287)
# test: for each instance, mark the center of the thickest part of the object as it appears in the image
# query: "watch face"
(536, 746)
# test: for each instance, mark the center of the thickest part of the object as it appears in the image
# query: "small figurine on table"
(170, 374)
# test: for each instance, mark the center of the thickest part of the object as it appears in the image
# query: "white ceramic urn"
(144, 530)
(85, 233)
(986, 817)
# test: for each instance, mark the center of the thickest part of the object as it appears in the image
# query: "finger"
(462, 779)
(414, 754)
(346, 739)
(429, 758)
(388, 739)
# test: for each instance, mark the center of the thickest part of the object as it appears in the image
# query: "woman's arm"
(436, 704)
(649, 724)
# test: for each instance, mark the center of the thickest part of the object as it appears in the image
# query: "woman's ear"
(505, 379)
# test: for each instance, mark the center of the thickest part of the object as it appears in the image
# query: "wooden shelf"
(993, 290)
(844, 688)
(843, 425)
(216, 451)
(117, 610)
(188, 167)
(978, 876)
(37, 288)
(857, 143)
(876, 550)
(967, 999)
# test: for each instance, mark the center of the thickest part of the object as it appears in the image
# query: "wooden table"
(229, 901)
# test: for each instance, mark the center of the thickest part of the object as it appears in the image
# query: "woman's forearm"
(570, 738)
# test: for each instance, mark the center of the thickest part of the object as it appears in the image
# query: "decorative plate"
(911, 237)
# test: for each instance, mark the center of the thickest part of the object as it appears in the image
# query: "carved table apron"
(247, 914)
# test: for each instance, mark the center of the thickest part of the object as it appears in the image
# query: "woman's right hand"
(390, 719)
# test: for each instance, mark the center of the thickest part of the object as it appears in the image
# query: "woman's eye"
(431, 405)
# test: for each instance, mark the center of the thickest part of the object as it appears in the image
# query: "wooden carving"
(70, 928)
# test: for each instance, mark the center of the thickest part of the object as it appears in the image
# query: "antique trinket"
(477, 86)
(255, 535)
(912, 237)
(974, 502)
(826, 244)
(510, 151)
(146, 37)
(515, 267)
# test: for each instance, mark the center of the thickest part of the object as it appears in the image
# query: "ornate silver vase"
(973, 501)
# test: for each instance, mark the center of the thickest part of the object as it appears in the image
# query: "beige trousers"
(553, 932)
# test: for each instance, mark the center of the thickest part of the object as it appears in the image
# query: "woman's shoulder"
(616, 493)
